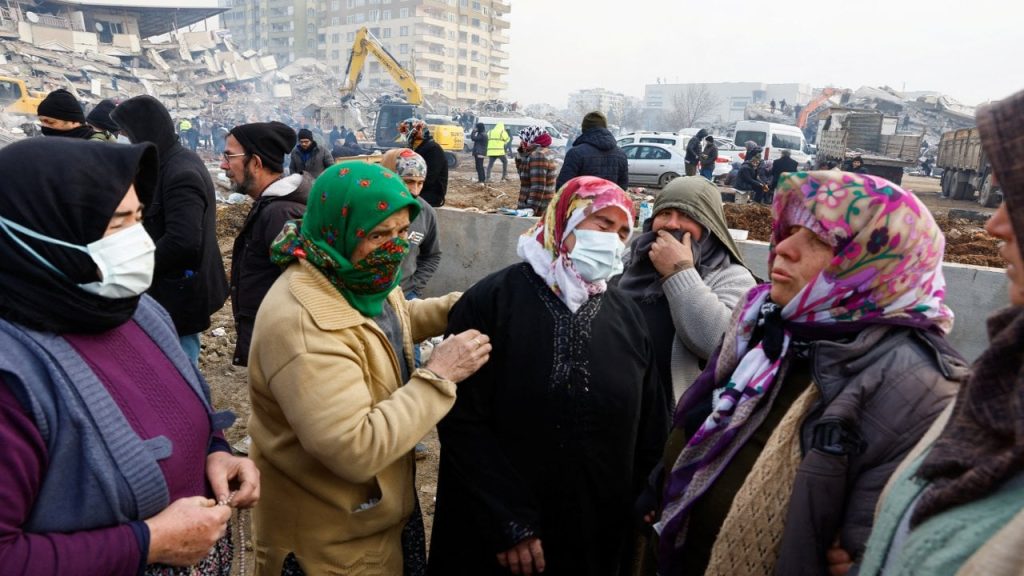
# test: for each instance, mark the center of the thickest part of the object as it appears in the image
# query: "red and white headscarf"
(543, 245)
(535, 136)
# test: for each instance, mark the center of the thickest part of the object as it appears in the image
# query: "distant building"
(612, 104)
(731, 98)
(454, 48)
(109, 27)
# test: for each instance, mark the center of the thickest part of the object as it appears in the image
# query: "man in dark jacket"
(188, 279)
(693, 152)
(784, 164)
(708, 157)
(253, 161)
(436, 184)
(595, 153)
(479, 138)
(60, 114)
(748, 179)
(857, 165)
(309, 158)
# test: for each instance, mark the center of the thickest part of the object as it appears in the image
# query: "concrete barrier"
(475, 245)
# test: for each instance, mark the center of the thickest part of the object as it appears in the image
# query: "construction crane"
(813, 105)
(390, 114)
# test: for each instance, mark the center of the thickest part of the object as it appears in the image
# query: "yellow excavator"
(16, 98)
(390, 114)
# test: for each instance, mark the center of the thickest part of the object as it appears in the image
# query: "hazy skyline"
(559, 46)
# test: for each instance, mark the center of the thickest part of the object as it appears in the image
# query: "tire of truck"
(962, 189)
(990, 196)
(944, 183)
(453, 160)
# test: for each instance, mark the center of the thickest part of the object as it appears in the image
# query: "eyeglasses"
(227, 157)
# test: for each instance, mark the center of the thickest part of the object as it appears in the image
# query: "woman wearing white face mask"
(112, 458)
(548, 444)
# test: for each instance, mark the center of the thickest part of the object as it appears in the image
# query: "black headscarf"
(73, 204)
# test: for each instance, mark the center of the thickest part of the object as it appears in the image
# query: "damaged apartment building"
(123, 48)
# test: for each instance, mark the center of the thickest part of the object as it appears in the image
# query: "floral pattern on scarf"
(886, 269)
(543, 245)
(347, 201)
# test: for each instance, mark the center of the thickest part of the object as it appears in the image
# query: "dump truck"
(966, 172)
(847, 133)
(16, 98)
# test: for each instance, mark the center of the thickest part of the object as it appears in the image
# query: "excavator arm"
(367, 44)
(813, 105)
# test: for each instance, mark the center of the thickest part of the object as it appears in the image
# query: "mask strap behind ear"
(8, 225)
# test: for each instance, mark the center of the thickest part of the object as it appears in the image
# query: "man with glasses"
(253, 160)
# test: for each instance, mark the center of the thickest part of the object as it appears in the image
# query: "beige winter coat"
(333, 427)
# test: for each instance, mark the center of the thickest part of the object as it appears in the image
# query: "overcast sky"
(969, 50)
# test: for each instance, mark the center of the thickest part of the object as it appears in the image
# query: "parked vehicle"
(966, 169)
(847, 133)
(654, 164)
(773, 138)
(666, 138)
(513, 124)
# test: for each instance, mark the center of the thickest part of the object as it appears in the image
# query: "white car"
(654, 164)
(666, 138)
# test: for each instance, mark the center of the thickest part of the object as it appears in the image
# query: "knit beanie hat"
(594, 119)
(305, 133)
(100, 116)
(62, 105)
(268, 140)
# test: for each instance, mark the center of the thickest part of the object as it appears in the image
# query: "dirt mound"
(754, 218)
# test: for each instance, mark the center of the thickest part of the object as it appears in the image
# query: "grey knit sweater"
(701, 311)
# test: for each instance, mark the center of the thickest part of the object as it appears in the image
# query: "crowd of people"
(616, 403)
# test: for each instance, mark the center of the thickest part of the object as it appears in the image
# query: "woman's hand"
(184, 533)
(526, 557)
(459, 356)
(235, 480)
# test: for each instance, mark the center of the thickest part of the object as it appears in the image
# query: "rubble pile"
(929, 114)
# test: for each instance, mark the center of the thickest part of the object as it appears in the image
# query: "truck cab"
(15, 97)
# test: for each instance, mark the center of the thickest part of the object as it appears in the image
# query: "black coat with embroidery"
(553, 437)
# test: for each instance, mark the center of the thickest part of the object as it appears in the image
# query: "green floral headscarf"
(347, 201)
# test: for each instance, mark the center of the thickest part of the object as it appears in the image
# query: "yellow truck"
(16, 98)
(389, 114)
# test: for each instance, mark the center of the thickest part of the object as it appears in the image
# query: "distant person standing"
(595, 153)
(435, 185)
(772, 104)
(479, 138)
(708, 158)
(497, 142)
(857, 165)
(307, 157)
(693, 150)
(784, 164)
(537, 169)
(99, 120)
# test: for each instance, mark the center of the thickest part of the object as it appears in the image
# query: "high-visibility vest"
(496, 140)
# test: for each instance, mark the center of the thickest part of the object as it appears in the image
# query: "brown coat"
(333, 427)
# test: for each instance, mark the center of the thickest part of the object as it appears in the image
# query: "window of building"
(360, 18)
(321, 38)
(350, 19)
(473, 88)
(385, 15)
(464, 3)
(335, 5)
(335, 38)
(403, 12)
(311, 13)
(373, 15)
(462, 86)
(462, 69)
(335, 54)
(463, 36)
(291, 11)
(476, 6)
(403, 31)
(463, 19)
(474, 39)
(350, 37)
(403, 48)
(386, 33)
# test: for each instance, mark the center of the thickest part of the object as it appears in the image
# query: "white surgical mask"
(597, 255)
(125, 259)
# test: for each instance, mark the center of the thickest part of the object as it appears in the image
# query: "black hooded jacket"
(693, 147)
(189, 279)
(435, 186)
(595, 153)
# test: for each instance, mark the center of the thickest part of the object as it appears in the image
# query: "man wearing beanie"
(99, 120)
(188, 278)
(595, 153)
(307, 157)
(253, 160)
(60, 114)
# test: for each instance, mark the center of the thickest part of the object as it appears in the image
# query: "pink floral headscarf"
(543, 245)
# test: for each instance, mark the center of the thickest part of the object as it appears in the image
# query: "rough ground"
(966, 243)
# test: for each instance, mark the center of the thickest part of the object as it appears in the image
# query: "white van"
(773, 138)
(513, 124)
